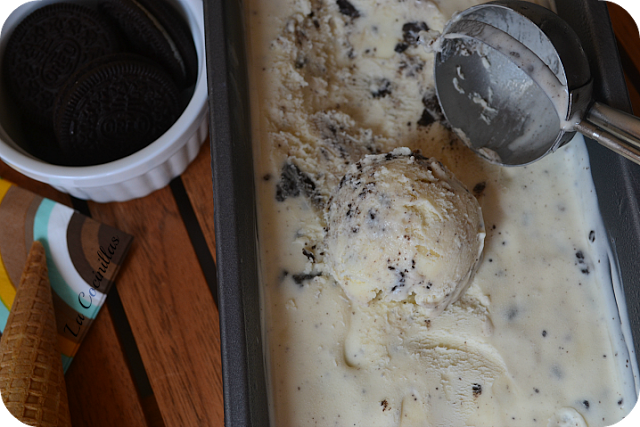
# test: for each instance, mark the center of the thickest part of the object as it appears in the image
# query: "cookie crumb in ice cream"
(294, 182)
(432, 111)
(582, 262)
(300, 279)
(420, 232)
(477, 389)
(346, 8)
(411, 35)
(478, 189)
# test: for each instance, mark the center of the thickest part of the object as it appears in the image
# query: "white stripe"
(57, 239)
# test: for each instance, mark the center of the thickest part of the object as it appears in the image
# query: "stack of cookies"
(98, 82)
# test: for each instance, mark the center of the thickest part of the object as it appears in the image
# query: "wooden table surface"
(152, 356)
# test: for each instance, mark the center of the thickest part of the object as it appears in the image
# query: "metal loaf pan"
(243, 371)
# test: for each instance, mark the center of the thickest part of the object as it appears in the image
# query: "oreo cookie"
(112, 108)
(154, 29)
(46, 48)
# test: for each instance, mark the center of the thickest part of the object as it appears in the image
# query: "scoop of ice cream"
(401, 227)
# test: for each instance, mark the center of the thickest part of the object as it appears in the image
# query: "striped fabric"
(83, 258)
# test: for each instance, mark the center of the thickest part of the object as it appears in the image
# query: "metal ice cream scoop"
(514, 82)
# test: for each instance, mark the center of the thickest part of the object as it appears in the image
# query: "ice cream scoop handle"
(614, 129)
(626, 145)
(615, 121)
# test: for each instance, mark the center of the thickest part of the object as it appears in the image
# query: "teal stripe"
(66, 362)
(58, 284)
(4, 315)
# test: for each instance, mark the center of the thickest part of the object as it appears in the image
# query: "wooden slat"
(628, 39)
(100, 387)
(170, 308)
(198, 182)
(626, 32)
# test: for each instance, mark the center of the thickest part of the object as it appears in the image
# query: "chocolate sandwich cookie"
(47, 47)
(112, 108)
(155, 29)
(40, 141)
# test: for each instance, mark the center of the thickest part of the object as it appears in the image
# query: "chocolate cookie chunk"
(112, 108)
(46, 48)
(155, 29)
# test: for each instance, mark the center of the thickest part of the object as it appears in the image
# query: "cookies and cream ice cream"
(401, 227)
(534, 341)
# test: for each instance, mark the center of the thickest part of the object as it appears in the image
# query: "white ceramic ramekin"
(138, 174)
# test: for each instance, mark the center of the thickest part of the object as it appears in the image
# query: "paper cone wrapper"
(31, 377)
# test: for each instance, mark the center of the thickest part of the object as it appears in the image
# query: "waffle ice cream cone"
(31, 376)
